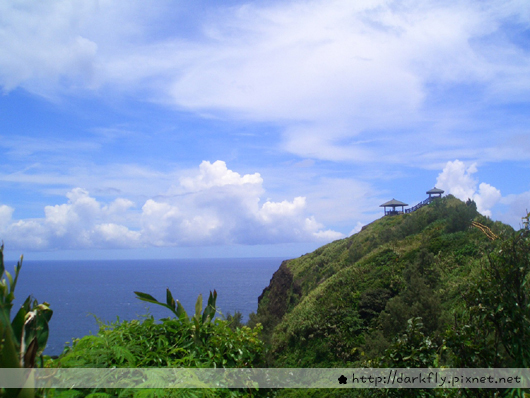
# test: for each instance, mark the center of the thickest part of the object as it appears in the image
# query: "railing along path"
(419, 205)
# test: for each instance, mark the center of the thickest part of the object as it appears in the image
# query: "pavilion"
(393, 204)
(434, 193)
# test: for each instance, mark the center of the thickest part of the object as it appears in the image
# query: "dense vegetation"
(171, 342)
(425, 289)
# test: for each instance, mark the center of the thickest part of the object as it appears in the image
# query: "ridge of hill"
(345, 303)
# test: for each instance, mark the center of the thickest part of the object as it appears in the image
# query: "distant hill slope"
(347, 301)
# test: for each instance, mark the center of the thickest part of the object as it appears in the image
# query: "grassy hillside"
(345, 303)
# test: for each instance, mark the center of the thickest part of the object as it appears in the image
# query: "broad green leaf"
(208, 314)
(42, 330)
(146, 297)
(198, 307)
(47, 312)
(17, 273)
(5, 312)
(30, 329)
(212, 298)
(10, 278)
(18, 321)
(181, 312)
(31, 353)
(9, 355)
(169, 299)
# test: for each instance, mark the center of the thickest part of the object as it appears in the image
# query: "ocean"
(79, 291)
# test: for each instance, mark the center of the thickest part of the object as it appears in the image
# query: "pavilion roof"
(434, 190)
(392, 203)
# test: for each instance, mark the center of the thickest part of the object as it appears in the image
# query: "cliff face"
(347, 300)
(282, 293)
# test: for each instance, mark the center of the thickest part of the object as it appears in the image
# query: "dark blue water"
(77, 289)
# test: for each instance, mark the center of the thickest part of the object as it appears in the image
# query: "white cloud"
(6, 213)
(270, 211)
(219, 206)
(82, 222)
(486, 197)
(214, 206)
(337, 201)
(217, 175)
(358, 228)
(318, 233)
(456, 179)
(328, 235)
(120, 205)
(40, 45)
(329, 71)
(115, 236)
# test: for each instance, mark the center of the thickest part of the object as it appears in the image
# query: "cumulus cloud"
(217, 175)
(219, 206)
(82, 222)
(213, 206)
(457, 179)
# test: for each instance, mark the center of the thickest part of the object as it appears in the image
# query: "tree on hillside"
(500, 301)
(460, 217)
(491, 331)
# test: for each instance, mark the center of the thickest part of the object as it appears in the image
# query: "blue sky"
(224, 129)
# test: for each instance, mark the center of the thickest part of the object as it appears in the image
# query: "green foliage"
(460, 217)
(372, 302)
(235, 321)
(323, 330)
(200, 317)
(490, 330)
(411, 349)
(418, 300)
(499, 302)
(425, 265)
(23, 339)
(199, 321)
(168, 343)
(173, 342)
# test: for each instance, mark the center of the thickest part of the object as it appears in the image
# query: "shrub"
(199, 342)
(23, 339)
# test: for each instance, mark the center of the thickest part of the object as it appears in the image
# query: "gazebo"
(434, 193)
(393, 204)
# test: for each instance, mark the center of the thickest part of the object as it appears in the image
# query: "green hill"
(346, 303)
